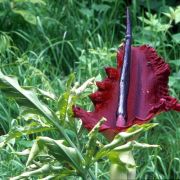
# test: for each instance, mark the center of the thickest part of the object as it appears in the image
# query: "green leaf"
(177, 14)
(123, 164)
(128, 147)
(27, 97)
(10, 86)
(22, 153)
(123, 137)
(18, 131)
(58, 150)
(92, 142)
(131, 133)
(27, 15)
(3, 1)
(176, 62)
(47, 94)
(70, 80)
(64, 153)
(82, 88)
(63, 103)
(176, 37)
(87, 12)
(45, 169)
(100, 7)
(5, 43)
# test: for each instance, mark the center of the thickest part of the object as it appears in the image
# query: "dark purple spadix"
(125, 76)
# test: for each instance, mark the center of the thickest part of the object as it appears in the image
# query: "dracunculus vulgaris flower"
(133, 92)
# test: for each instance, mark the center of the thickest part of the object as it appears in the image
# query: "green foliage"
(174, 14)
(26, 97)
(29, 99)
(53, 155)
(41, 42)
(21, 7)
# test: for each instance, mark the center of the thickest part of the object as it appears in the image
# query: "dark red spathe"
(148, 92)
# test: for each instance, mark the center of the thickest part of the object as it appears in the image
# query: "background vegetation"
(42, 42)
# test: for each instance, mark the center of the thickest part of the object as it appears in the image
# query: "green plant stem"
(125, 169)
(55, 122)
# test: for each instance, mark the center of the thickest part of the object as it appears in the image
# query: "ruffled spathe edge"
(161, 71)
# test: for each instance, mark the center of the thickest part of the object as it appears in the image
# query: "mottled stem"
(125, 75)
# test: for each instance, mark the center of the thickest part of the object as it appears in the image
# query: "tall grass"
(82, 37)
